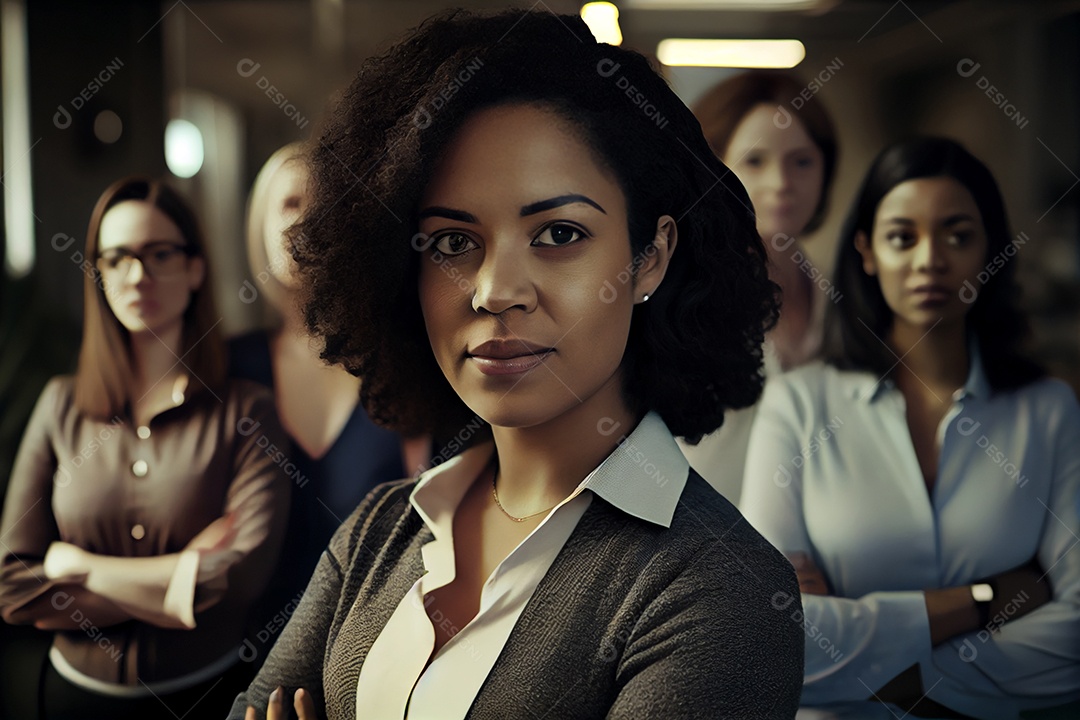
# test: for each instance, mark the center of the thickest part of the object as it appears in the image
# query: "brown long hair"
(723, 107)
(105, 362)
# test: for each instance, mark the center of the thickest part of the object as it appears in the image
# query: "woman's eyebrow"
(555, 202)
(141, 244)
(436, 211)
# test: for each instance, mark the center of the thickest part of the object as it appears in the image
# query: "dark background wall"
(70, 44)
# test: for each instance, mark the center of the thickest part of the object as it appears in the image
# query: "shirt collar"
(864, 386)
(977, 385)
(644, 476)
(440, 489)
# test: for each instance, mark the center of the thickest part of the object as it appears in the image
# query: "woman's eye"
(454, 244)
(558, 235)
(959, 238)
(899, 239)
(754, 161)
(112, 261)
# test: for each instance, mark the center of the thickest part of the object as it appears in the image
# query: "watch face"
(982, 592)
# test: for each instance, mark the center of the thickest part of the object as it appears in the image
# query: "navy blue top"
(326, 490)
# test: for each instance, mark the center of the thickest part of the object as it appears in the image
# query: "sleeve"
(238, 550)
(297, 657)
(1036, 656)
(28, 526)
(258, 503)
(714, 645)
(853, 646)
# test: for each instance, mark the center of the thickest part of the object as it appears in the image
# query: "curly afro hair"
(694, 350)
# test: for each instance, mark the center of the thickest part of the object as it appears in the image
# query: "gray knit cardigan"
(632, 620)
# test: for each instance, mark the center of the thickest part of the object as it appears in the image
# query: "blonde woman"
(336, 454)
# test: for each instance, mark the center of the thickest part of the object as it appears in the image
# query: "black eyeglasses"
(158, 259)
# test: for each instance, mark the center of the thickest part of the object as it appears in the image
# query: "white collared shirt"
(720, 456)
(832, 472)
(644, 477)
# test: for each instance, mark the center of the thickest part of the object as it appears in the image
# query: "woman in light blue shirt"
(925, 479)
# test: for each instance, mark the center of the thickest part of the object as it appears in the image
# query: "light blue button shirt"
(832, 472)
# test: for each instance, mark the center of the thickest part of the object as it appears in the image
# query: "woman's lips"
(509, 366)
(931, 295)
(143, 305)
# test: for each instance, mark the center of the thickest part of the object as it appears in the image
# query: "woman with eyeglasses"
(145, 509)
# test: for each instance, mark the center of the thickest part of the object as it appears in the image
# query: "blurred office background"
(91, 90)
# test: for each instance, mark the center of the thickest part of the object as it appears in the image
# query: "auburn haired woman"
(783, 149)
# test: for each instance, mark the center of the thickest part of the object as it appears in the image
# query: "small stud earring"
(645, 299)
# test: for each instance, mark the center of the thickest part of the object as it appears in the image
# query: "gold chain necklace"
(495, 494)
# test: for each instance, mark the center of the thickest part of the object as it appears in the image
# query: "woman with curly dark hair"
(521, 241)
(925, 480)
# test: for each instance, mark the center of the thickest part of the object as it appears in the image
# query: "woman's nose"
(503, 281)
(778, 176)
(929, 255)
(136, 272)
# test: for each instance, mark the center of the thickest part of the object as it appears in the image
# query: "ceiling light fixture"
(603, 19)
(731, 53)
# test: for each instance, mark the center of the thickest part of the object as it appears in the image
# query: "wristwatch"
(982, 594)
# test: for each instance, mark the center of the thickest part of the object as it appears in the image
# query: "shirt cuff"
(180, 595)
(63, 561)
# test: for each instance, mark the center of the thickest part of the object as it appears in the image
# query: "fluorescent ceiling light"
(603, 19)
(740, 5)
(731, 53)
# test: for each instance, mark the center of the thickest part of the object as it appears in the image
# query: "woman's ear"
(196, 272)
(862, 244)
(655, 259)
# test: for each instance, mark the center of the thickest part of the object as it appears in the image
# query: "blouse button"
(143, 432)
(138, 532)
(140, 468)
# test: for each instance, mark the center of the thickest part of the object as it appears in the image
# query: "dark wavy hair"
(995, 321)
(693, 350)
(722, 108)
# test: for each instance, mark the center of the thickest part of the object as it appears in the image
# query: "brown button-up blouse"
(111, 488)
